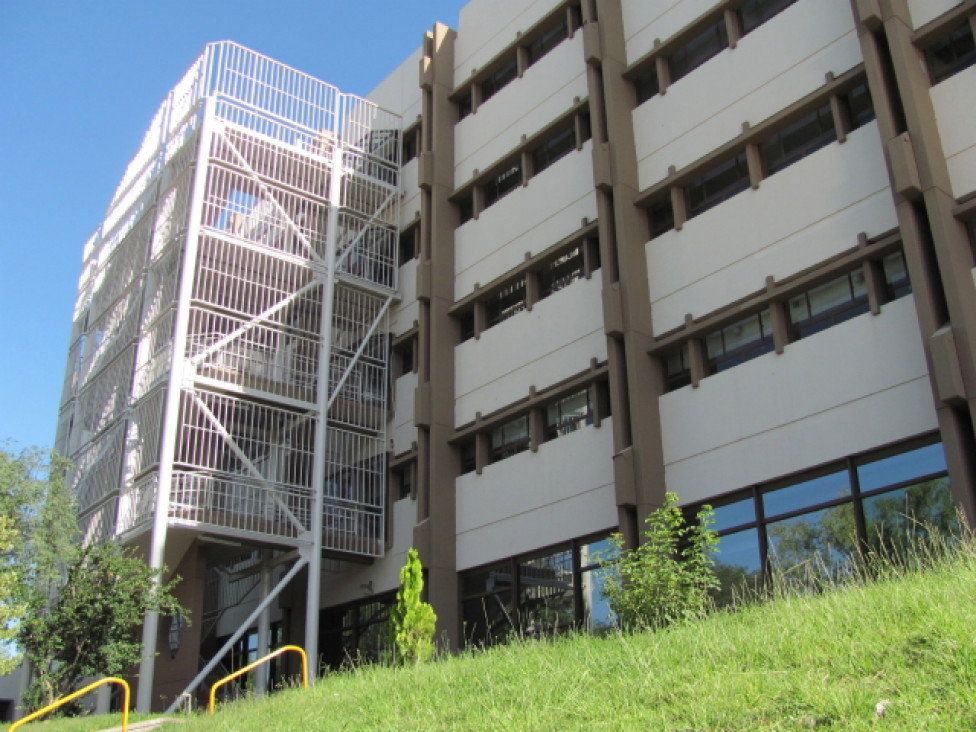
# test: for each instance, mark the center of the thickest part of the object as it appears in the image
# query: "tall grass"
(898, 634)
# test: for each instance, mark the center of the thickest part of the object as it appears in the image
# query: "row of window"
(953, 52)
(500, 302)
(806, 312)
(536, 595)
(822, 520)
(512, 64)
(562, 138)
(557, 416)
(763, 151)
(655, 74)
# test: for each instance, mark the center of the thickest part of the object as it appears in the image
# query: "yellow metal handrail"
(255, 664)
(75, 695)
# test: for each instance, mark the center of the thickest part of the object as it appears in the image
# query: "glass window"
(816, 545)
(646, 84)
(660, 216)
(950, 55)
(408, 245)
(550, 38)
(488, 607)
(738, 566)
(464, 106)
(717, 185)
(897, 283)
(562, 272)
(897, 518)
(465, 209)
(568, 414)
(857, 106)
(698, 50)
(468, 453)
(734, 514)
(597, 615)
(677, 369)
(828, 304)
(409, 146)
(560, 144)
(510, 438)
(812, 492)
(971, 232)
(754, 13)
(498, 79)
(546, 602)
(901, 468)
(739, 342)
(466, 326)
(506, 303)
(802, 137)
(505, 182)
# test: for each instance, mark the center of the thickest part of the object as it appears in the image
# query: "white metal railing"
(239, 503)
(137, 503)
(97, 471)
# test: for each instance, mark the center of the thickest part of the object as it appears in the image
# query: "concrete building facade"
(722, 249)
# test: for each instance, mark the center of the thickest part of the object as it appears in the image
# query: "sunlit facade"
(597, 250)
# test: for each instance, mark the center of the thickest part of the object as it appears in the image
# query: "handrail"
(75, 695)
(255, 664)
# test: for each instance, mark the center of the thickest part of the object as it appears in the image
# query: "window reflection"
(738, 566)
(900, 468)
(809, 493)
(813, 545)
(896, 519)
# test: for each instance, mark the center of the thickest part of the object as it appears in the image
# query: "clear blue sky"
(80, 81)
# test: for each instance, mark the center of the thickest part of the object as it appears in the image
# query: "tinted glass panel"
(597, 615)
(660, 216)
(811, 545)
(754, 13)
(951, 55)
(677, 372)
(809, 493)
(896, 275)
(857, 106)
(568, 414)
(646, 84)
(896, 518)
(564, 271)
(828, 304)
(901, 468)
(498, 79)
(799, 139)
(718, 184)
(734, 514)
(554, 148)
(595, 552)
(546, 601)
(698, 50)
(739, 342)
(737, 566)
(550, 38)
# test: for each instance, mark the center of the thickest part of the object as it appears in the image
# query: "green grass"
(810, 661)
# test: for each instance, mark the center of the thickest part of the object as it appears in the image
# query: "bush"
(669, 577)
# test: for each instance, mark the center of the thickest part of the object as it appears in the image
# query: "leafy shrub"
(668, 578)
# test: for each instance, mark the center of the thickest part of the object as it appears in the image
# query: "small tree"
(11, 611)
(668, 578)
(91, 627)
(413, 621)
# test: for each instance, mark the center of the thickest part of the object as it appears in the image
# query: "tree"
(76, 610)
(91, 628)
(668, 577)
(11, 611)
(413, 621)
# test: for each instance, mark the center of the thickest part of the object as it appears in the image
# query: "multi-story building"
(597, 250)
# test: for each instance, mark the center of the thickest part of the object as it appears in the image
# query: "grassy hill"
(907, 642)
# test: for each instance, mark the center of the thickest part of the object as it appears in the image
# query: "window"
(971, 232)
(660, 215)
(857, 106)
(504, 182)
(698, 50)
(498, 79)
(464, 106)
(510, 438)
(536, 595)
(562, 272)
(465, 208)
(880, 502)
(754, 13)
(468, 454)
(802, 137)
(466, 326)
(677, 369)
(409, 151)
(509, 301)
(568, 414)
(896, 276)
(403, 477)
(558, 145)
(948, 56)
(548, 40)
(718, 184)
(357, 633)
(408, 244)
(739, 342)
(828, 304)
(403, 357)
(646, 84)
